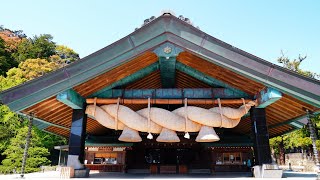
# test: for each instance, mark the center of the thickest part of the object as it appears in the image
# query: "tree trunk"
(282, 153)
(273, 156)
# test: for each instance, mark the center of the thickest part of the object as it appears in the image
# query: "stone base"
(81, 173)
(272, 173)
(73, 161)
(267, 171)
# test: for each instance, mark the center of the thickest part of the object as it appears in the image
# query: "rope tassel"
(220, 109)
(116, 119)
(149, 133)
(186, 134)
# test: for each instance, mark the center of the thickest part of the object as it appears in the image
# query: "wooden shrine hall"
(168, 98)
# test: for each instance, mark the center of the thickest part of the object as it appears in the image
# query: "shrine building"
(167, 98)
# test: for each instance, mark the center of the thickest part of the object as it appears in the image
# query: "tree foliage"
(37, 47)
(14, 77)
(36, 56)
(9, 125)
(6, 62)
(294, 65)
(37, 154)
(33, 68)
(65, 55)
(27, 70)
(11, 38)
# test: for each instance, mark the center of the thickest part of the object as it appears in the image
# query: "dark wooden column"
(77, 138)
(260, 135)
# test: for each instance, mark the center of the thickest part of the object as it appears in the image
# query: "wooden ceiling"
(222, 74)
(55, 112)
(116, 74)
(284, 109)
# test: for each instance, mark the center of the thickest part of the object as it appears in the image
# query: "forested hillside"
(24, 58)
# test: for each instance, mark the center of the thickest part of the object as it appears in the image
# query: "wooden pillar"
(77, 139)
(260, 135)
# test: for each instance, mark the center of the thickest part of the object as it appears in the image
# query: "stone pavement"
(55, 175)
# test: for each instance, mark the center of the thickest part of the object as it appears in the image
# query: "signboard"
(93, 148)
(119, 148)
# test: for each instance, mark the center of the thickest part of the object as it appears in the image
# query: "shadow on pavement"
(162, 176)
(292, 174)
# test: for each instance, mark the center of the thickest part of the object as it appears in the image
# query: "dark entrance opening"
(169, 160)
(186, 156)
(169, 156)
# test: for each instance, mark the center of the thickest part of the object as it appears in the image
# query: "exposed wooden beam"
(40, 124)
(287, 122)
(267, 96)
(53, 133)
(174, 93)
(285, 132)
(297, 124)
(293, 122)
(71, 98)
(167, 101)
(44, 123)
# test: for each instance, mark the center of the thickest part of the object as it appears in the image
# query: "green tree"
(299, 138)
(49, 141)
(33, 68)
(6, 62)
(14, 77)
(294, 65)
(37, 155)
(65, 55)
(37, 47)
(9, 125)
(279, 144)
(27, 70)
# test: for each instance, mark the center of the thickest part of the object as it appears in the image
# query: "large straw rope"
(115, 115)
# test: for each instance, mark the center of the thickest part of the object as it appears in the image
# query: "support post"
(25, 153)
(59, 161)
(77, 142)
(260, 133)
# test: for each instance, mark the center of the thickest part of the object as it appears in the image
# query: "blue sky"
(262, 28)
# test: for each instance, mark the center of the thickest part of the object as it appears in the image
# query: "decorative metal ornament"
(167, 50)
